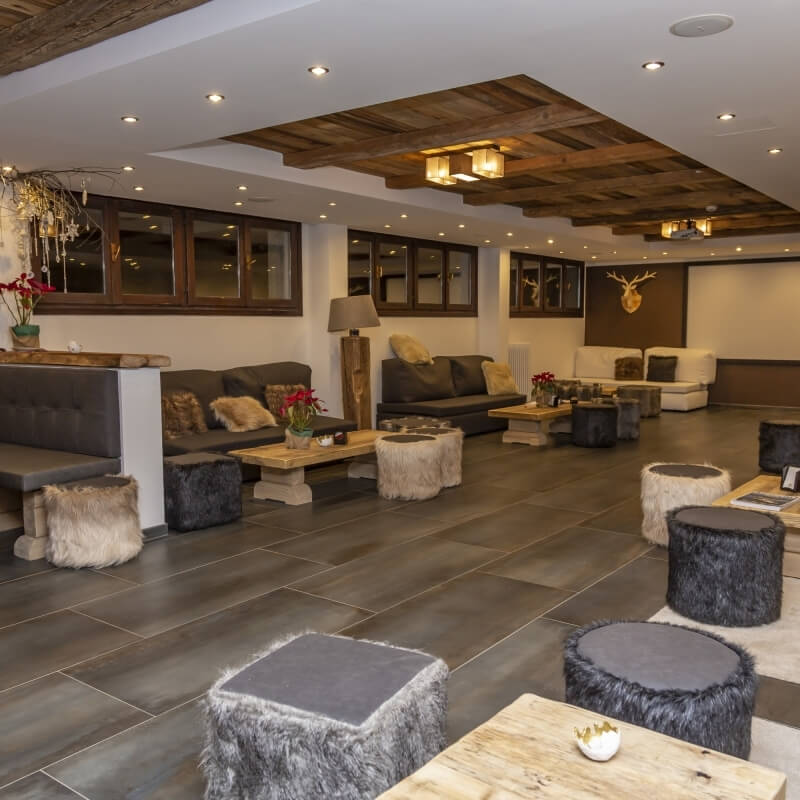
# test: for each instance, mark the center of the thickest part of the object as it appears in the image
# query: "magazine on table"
(764, 501)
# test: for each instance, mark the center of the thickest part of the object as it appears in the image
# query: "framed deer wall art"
(631, 299)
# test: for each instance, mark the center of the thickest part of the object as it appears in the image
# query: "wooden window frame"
(193, 299)
(293, 229)
(516, 309)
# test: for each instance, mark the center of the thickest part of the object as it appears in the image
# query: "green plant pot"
(25, 330)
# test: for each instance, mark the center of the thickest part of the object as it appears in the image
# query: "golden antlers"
(631, 299)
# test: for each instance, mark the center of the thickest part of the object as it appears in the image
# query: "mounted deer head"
(631, 299)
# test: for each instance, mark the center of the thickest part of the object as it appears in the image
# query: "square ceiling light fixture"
(461, 167)
(437, 170)
(488, 162)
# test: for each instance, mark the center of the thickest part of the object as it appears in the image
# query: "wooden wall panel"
(659, 321)
(756, 383)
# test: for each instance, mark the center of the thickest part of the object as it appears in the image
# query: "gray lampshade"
(349, 313)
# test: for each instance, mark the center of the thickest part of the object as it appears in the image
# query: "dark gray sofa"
(453, 388)
(208, 385)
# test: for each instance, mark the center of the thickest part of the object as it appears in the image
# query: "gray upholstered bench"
(323, 717)
(682, 682)
(725, 565)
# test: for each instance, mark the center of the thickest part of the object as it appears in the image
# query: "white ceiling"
(256, 52)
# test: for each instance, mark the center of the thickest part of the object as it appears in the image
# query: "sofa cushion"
(26, 469)
(206, 384)
(600, 360)
(276, 393)
(499, 379)
(628, 368)
(407, 383)
(254, 379)
(468, 375)
(242, 414)
(661, 369)
(409, 349)
(695, 364)
(181, 414)
(450, 406)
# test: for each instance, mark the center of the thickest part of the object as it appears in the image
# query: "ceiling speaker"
(702, 25)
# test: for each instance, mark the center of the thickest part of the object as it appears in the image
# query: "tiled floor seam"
(110, 696)
(61, 783)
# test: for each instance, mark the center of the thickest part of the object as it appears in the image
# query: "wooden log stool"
(409, 466)
(649, 398)
(725, 565)
(594, 424)
(452, 448)
(778, 444)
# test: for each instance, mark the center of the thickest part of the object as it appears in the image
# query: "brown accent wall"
(659, 321)
(756, 383)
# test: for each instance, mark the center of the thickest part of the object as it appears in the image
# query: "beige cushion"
(409, 349)
(499, 379)
(239, 414)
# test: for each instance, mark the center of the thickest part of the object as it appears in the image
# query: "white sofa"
(696, 370)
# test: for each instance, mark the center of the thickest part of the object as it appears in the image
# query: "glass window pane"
(513, 284)
(216, 258)
(552, 294)
(531, 282)
(359, 267)
(572, 286)
(270, 263)
(430, 261)
(145, 250)
(82, 269)
(459, 277)
(392, 272)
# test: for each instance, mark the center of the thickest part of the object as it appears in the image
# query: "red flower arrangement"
(27, 292)
(301, 408)
(544, 382)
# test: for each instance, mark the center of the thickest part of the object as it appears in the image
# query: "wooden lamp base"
(356, 390)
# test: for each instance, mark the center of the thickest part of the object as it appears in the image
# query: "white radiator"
(519, 358)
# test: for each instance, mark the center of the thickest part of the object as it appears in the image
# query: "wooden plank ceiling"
(35, 31)
(561, 159)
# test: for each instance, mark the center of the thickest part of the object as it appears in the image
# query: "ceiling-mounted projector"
(686, 229)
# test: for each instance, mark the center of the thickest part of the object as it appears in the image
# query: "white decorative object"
(598, 742)
(74, 347)
(325, 441)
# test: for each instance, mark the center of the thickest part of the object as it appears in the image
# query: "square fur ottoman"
(320, 716)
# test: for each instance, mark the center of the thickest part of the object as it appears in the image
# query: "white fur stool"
(667, 486)
(452, 449)
(409, 466)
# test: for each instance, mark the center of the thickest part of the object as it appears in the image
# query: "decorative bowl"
(598, 742)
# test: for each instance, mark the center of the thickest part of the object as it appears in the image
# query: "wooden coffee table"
(283, 469)
(529, 424)
(790, 517)
(527, 750)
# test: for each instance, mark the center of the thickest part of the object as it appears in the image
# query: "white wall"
(10, 265)
(745, 310)
(553, 342)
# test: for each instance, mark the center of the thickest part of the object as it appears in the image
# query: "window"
(142, 257)
(413, 277)
(542, 286)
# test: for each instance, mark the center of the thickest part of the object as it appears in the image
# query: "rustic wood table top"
(530, 412)
(770, 484)
(58, 358)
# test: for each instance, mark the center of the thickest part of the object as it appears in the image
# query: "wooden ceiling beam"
(676, 213)
(76, 24)
(544, 118)
(673, 178)
(733, 233)
(601, 207)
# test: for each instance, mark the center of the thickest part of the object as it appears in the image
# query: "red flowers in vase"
(543, 382)
(300, 408)
(26, 292)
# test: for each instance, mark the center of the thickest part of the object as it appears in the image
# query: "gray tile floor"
(101, 671)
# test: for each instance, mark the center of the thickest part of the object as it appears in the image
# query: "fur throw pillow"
(276, 393)
(628, 368)
(409, 349)
(499, 379)
(181, 414)
(662, 368)
(239, 414)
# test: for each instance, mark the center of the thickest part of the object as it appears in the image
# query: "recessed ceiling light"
(644, 257)
(652, 66)
(387, 225)
(725, 116)
(561, 252)
(230, 227)
(613, 252)
(665, 252)
(356, 241)
(331, 203)
(145, 216)
(153, 227)
(404, 216)
(551, 241)
(586, 247)
(323, 216)
(773, 151)
(487, 241)
(241, 187)
(225, 235)
(238, 203)
(527, 247)
(129, 118)
(318, 71)
(441, 233)
(461, 225)
(509, 233)
(126, 168)
(785, 249)
(215, 97)
(594, 256)
(138, 188)
(739, 249)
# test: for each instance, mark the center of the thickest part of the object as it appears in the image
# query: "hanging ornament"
(84, 193)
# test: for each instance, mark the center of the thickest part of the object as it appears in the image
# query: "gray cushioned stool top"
(406, 438)
(434, 431)
(189, 459)
(343, 679)
(725, 519)
(659, 656)
(686, 470)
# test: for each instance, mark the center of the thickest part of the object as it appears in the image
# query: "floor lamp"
(352, 313)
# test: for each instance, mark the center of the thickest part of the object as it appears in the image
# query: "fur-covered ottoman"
(778, 444)
(649, 398)
(667, 486)
(452, 447)
(679, 681)
(409, 466)
(319, 717)
(93, 522)
(201, 490)
(629, 413)
(725, 565)
(594, 424)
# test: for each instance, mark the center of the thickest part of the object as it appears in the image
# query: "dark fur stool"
(778, 444)
(594, 425)
(649, 398)
(404, 424)
(201, 490)
(678, 681)
(725, 565)
(629, 412)
(323, 717)
(566, 388)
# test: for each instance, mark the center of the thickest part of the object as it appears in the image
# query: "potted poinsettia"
(543, 388)
(20, 297)
(300, 409)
